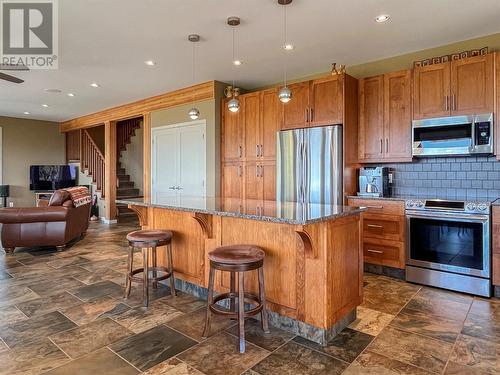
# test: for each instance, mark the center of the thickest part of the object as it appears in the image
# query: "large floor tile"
(41, 306)
(193, 324)
(32, 359)
(172, 366)
(101, 307)
(369, 321)
(103, 361)
(89, 337)
(295, 359)
(420, 351)
(149, 348)
(11, 296)
(184, 302)
(67, 261)
(347, 345)
(220, 355)
(89, 278)
(101, 289)
(387, 295)
(254, 334)
(55, 285)
(483, 320)
(11, 314)
(23, 332)
(369, 363)
(136, 300)
(477, 354)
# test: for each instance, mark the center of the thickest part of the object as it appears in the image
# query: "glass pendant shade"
(285, 94)
(233, 105)
(194, 113)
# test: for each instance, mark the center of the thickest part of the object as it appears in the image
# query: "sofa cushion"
(33, 215)
(59, 197)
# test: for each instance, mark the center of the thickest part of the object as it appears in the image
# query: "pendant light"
(285, 94)
(194, 113)
(234, 104)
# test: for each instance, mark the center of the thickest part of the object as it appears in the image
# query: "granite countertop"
(493, 201)
(271, 211)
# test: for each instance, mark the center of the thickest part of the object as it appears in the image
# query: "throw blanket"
(80, 195)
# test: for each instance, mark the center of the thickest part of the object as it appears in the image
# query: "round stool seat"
(150, 236)
(237, 254)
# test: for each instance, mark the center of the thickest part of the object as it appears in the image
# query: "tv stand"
(42, 198)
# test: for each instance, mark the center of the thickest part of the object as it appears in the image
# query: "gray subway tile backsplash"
(475, 177)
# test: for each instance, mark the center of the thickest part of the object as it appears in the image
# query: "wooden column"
(147, 155)
(110, 169)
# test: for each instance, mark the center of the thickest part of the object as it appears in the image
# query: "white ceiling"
(107, 41)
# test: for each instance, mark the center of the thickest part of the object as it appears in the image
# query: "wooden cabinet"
(497, 106)
(251, 127)
(495, 233)
(296, 111)
(384, 234)
(385, 118)
(231, 137)
(326, 101)
(260, 183)
(460, 87)
(270, 122)
(232, 180)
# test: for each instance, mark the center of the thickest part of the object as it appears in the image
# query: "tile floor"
(63, 313)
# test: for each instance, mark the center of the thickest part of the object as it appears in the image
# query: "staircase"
(92, 161)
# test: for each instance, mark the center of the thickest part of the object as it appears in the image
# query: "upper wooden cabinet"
(454, 88)
(251, 128)
(270, 123)
(497, 123)
(231, 137)
(385, 118)
(315, 103)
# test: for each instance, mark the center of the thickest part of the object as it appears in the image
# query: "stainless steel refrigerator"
(309, 165)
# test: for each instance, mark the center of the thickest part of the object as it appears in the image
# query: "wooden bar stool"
(144, 240)
(237, 259)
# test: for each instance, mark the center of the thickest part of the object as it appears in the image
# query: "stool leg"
(155, 274)
(145, 253)
(262, 297)
(232, 287)
(206, 331)
(128, 280)
(241, 310)
(171, 270)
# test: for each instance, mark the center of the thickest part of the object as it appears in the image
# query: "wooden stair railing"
(125, 130)
(92, 161)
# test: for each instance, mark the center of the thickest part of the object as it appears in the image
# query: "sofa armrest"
(33, 215)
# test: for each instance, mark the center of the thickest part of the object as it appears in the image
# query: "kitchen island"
(313, 266)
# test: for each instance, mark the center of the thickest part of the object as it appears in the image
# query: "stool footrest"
(249, 298)
(140, 279)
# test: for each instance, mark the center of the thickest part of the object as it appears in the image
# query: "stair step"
(120, 192)
(126, 184)
(120, 171)
(130, 196)
(123, 177)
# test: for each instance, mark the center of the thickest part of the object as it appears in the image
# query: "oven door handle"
(449, 216)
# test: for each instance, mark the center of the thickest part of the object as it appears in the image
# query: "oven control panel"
(440, 205)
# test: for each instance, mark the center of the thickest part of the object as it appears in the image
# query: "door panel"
(371, 119)
(397, 115)
(231, 146)
(295, 112)
(268, 176)
(253, 186)
(431, 94)
(327, 101)
(251, 124)
(472, 85)
(271, 119)
(192, 162)
(232, 180)
(165, 164)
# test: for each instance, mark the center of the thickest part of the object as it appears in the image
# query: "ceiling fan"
(10, 67)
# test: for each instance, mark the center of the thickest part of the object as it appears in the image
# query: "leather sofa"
(54, 225)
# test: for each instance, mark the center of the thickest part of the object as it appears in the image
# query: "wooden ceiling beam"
(202, 91)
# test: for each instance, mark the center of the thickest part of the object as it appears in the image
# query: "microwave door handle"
(473, 135)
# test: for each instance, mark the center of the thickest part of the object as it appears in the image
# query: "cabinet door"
(253, 183)
(268, 175)
(270, 123)
(431, 91)
(296, 111)
(250, 115)
(497, 123)
(397, 115)
(371, 119)
(472, 85)
(231, 145)
(327, 101)
(232, 186)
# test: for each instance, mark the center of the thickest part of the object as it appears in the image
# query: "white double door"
(178, 162)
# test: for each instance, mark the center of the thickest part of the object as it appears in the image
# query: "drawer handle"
(375, 207)
(375, 251)
(375, 226)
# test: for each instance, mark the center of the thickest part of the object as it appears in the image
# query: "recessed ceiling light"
(96, 85)
(71, 94)
(45, 105)
(53, 91)
(382, 18)
(237, 62)
(288, 47)
(26, 112)
(149, 63)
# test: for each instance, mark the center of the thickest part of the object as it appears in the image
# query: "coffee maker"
(375, 181)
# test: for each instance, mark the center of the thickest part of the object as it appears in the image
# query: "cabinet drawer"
(495, 231)
(379, 206)
(496, 269)
(383, 226)
(387, 253)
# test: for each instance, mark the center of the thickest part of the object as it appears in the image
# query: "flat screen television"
(52, 177)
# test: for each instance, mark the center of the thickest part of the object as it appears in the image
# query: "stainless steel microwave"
(456, 135)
